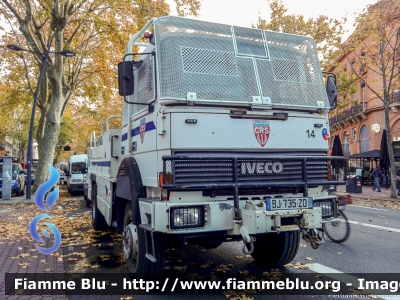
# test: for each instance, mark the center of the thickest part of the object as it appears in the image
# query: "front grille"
(326, 206)
(200, 171)
(243, 171)
(220, 171)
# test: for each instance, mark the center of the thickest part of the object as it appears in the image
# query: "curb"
(18, 200)
(364, 197)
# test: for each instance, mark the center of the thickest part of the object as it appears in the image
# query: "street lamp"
(45, 56)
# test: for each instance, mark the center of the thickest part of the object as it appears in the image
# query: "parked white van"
(73, 173)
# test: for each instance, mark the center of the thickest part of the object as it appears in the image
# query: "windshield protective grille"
(226, 63)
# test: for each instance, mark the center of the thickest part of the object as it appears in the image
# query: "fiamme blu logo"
(50, 201)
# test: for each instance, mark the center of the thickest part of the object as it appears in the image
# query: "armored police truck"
(223, 137)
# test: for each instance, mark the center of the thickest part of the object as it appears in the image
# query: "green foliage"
(325, 31)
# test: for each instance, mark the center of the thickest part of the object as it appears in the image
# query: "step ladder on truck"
(223, 137)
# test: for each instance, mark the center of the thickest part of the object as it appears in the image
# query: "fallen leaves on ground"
(222, 268)
(16, 225)
(299, 266)
(392, 204)
(309, 258)
(180, 268)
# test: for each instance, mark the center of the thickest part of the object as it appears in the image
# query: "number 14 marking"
(310, 135)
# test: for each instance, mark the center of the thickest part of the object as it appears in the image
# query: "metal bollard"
(7, 178)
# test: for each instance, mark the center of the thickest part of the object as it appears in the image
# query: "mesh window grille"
(212, 62)
(226, 63)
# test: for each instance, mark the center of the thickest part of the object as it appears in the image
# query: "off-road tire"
(276, 250)
(141, 265)
(98, 220)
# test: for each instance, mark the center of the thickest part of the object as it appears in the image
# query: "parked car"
(18, 180)
(32, 177)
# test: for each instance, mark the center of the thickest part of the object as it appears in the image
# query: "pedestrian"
(377, 174)
(398, 181)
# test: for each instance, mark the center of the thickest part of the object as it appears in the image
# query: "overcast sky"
(245, 12)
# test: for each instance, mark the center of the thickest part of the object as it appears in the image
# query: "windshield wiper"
(242, 114)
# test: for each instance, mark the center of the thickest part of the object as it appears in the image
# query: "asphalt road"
(373, 247)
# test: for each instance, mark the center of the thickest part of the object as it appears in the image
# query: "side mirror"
(83, 168)
(125, 76)
(331, 89)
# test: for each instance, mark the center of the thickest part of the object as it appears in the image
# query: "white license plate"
(288, 203)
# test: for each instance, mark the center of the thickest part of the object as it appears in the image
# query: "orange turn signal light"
(164, 180)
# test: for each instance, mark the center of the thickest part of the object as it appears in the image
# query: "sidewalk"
(18, 253)
(368, 193)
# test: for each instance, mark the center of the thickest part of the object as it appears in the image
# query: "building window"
(354, 134)
(346, 144)
(364, 139)
(364, 97)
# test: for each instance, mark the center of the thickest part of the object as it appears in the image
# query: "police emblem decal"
(261, 131)
(142, 129)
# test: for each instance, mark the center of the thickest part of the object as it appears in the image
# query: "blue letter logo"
(50, 200)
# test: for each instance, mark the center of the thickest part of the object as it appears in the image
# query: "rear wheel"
(134, 247)
(98, 220)
(276, 250)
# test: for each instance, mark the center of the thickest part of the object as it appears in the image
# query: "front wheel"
(338, 230)
(276, 250)
(134, 247)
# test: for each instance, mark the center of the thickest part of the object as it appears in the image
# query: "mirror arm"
(150, 105)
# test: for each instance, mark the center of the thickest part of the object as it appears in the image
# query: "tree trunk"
(393, 191)
(48, 144)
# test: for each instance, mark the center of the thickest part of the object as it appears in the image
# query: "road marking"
(347, 279)
(369, 207)
(374, 226)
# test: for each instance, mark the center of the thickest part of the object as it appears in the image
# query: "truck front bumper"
(200, 217)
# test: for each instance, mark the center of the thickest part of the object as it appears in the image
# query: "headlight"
(187, 217)
(326, 206)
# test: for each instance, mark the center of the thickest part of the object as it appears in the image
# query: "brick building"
(360, 124)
